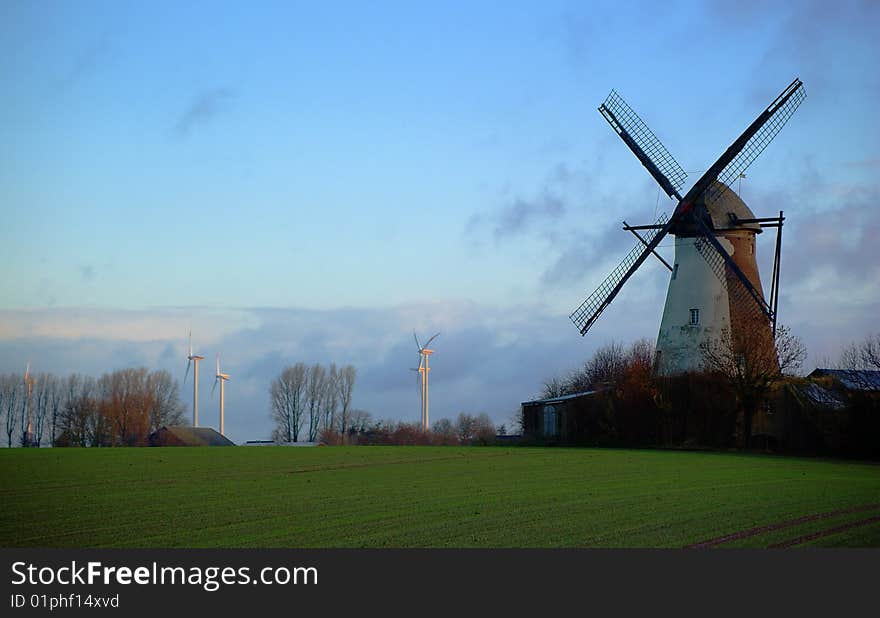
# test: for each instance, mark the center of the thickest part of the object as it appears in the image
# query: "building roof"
(852, 379)
(728, 204)
(559, 399)
(195, 436)
(820, 396)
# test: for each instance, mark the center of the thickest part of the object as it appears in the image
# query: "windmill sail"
(586, 314)
(742, 153)
(644, 144)
(691, 214)
(727, 271)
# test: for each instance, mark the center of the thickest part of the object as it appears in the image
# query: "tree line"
(743, 379)
(313, 403)
(466, 430)
(121, 408)
(305, 400)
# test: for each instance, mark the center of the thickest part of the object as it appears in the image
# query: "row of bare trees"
(861, 355)
(467, 429)
(119, 408)
(306, 400)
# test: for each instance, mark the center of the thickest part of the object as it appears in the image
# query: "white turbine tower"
(222, 378)
(424, 353)
(194, 359)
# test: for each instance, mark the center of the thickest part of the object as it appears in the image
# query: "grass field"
(430, 497)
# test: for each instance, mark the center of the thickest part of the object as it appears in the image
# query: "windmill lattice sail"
(586, 314)
(644, 144)
(770, 123)
(746, 298)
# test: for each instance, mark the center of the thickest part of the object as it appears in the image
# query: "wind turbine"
(424, 353)
(222, 378)
(29, 388)
(194, 359)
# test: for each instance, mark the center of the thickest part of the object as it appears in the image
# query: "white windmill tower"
(194, 359)
(29, 380)
(424, 354)
(222, 378)
(714, 285)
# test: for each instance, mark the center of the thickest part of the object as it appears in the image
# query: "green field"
(428, 497)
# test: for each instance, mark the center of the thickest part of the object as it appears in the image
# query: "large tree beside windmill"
(714, 285)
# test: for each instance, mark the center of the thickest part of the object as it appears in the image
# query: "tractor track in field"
(822, 533)
(744, 534)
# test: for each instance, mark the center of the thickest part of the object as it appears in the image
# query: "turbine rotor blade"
(418, 345)
(214, 387)
(186, 375)
(431, 339)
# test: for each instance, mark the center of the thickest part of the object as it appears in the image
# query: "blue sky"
(311, 181)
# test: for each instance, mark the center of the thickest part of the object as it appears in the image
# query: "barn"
(830, 412)
(574, 418)
(183, 435)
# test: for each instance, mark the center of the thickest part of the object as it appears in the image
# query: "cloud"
(486, 360)
(86, 62)
(205, 106)
(83, 323)
(87, 272)
(520, 215)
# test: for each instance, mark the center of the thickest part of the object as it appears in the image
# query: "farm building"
(832, 411)
(850, 380)
(566, 419)
(182, 435)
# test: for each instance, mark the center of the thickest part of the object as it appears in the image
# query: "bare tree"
(25, 416)
(850, 357)
(329, 398)
(314, 397)
(554, 387)
(484, 429)
(444, 432)
(11, 386)
(751, 363)
(465, 426)
(163, 397)
(870, 351)
(41, 398)
(125, 405)
(96, 427)
(345, 387)
(287, 400)
(360, 421)
(608, 365)
(78, 424)
(641, 353)
(56, 398)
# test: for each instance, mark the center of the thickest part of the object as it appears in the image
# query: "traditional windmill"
(714, 286)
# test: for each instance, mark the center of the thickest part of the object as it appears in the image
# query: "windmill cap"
(729, 203)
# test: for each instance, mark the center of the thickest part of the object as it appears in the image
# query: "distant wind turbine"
(424, 353)
(222, 378)
(194, 359)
